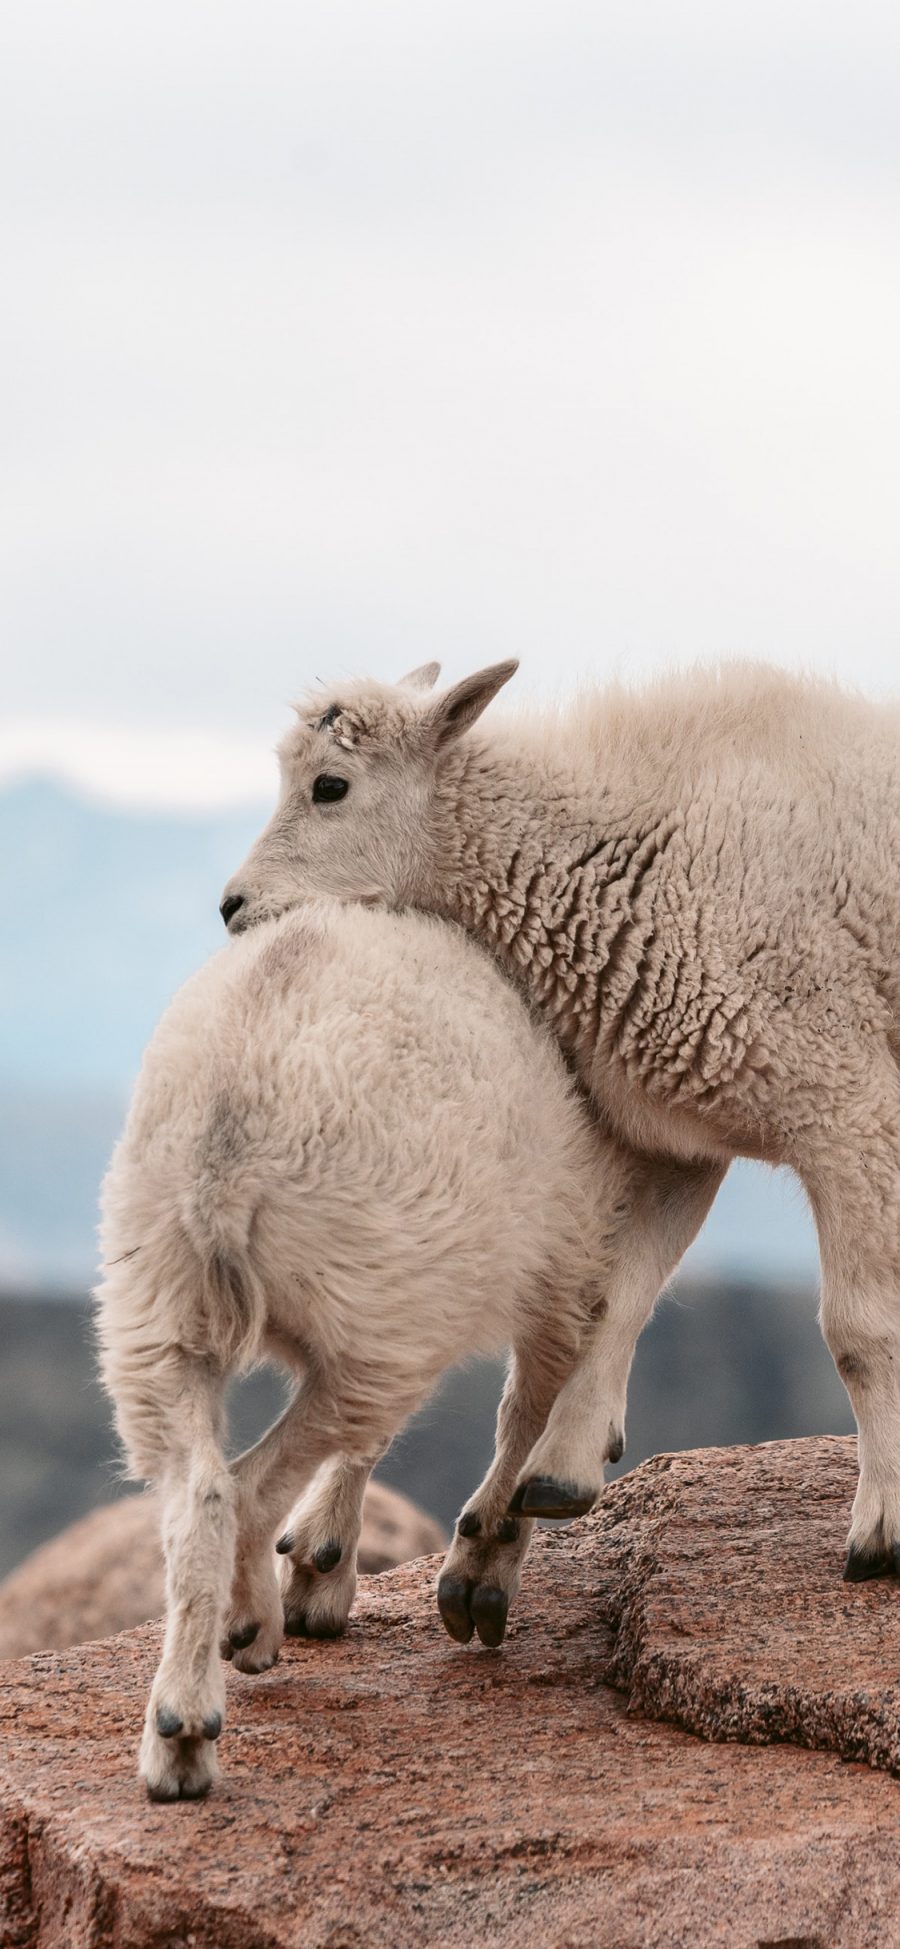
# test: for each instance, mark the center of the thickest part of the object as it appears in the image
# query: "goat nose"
(230, 905)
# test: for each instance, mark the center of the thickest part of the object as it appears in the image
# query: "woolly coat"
(697, 884)
(349, 1145)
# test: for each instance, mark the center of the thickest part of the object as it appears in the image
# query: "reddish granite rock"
(722, 1582)
(393, 1789)
(105, 1573)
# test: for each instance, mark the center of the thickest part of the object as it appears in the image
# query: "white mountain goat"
(698, 888)
(351, 1150)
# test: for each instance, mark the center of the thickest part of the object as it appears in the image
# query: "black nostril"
(230, 905)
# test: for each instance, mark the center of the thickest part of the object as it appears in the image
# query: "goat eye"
(326, 789)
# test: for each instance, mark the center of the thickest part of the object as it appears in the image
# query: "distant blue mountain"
(103, 913)
(54, 1150)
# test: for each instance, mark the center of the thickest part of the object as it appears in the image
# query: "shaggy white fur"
(351, 1150)
(697, 887)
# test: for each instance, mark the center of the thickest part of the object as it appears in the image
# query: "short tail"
(232, 1300)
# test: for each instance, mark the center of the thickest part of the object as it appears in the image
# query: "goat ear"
(453, 713)
(424, 678)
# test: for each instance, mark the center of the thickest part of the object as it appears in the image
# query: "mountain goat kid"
(698, 887)
(352, 1151)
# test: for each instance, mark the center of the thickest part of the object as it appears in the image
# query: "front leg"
(855, 1194)
(482, 1570)
(563, 1474)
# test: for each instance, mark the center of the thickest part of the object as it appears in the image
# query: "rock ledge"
(392, 1789)
(722, 1584)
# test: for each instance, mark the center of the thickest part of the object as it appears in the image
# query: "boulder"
(392, 1788)
(105, 1573)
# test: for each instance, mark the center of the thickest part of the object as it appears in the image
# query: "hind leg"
(267, 1478)
(318, 1578)
(335, 1438)
(186, 1709)
(855, 1193)
(563, 1474)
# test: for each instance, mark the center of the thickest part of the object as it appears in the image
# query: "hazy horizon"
(183, 772)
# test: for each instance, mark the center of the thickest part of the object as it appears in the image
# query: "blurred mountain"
(728, 1361)
(104, 913)
(53, 1152)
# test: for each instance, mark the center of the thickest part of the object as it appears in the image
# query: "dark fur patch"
(223, 1136)
(280, 959)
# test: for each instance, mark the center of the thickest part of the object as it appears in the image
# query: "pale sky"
(339, 336)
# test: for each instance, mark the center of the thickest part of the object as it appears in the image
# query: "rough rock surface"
(105, 1573)
(394, 1789)
(722, 1581)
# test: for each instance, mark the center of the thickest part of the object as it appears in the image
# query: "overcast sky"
(339, 336)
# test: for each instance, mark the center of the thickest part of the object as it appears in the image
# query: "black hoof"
(239, 1640)
(508, 1530)
(168, 1724)
(300, 1627)
(616, 1446)
(327, 1556)
(164, 1796)
(862, 1565)
(285, 1544)
(552, 1500)
(212, 1726)
(469, 1523)
(489, 1609)
(453, 1595)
